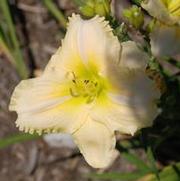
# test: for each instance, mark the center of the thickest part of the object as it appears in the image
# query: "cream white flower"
(167, 11)
(165, 38)
(91, 87)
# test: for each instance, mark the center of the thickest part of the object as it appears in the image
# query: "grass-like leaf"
(173, 62)
(17, 139)
(140, 164)
(152, 162)
(20, 65)
(169, 173)
(118, 176)
(56, 12)
(4, 48)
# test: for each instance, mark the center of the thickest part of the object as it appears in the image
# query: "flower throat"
(88, 88)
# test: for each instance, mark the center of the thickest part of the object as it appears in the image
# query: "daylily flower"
(165, 38)
(167, 11)
(91, 87)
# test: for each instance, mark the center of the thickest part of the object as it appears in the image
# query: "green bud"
(151, 26)
(90, 3)
(135, 16)
(93, 7)
(99, 9)
(102, 7)
(87, 11)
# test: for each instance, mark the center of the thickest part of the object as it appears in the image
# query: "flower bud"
(87, 11)
(102, 7)
(135, 16)
(150, 27)
(93, 7)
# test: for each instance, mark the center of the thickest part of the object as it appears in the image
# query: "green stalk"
(17, 139)
(4, 48)
(56, 12)
(138, 2)
(20, 65)
(152, 162)
(173, 62)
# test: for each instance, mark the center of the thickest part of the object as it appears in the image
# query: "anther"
(73, 93)
(71, 75)
(86, 81)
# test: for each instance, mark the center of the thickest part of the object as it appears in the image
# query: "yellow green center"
(87, 88)
(86, 83)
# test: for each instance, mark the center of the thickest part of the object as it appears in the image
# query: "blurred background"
(30, 32)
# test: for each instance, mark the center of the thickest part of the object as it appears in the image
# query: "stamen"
(73, 93)
(71, 76)
(90, 99)
(86, 88)
(86, 81)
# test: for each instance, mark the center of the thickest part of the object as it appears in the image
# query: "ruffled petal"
(44, 104)
(131, 106)
(157, 9)
(132, 56)
(87, 44)
(165, 40)
(96, 142)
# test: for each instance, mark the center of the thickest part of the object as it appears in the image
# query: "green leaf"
(152, 162)
(56, 12)
(79, 2)
(140, 164)
(138, 2)
(4, 48)
(118, 176)
(173, 62)
(4, 33)
(17, 139)
(169, 173)
(20, 65)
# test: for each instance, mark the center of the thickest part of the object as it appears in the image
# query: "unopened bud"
(93, 7)
(151, 26)
(87, 11)
(135, 16)
(102, 7)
